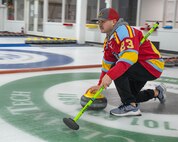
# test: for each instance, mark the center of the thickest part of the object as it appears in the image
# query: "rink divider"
(49, 69)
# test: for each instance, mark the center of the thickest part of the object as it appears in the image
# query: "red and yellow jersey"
(125, 43)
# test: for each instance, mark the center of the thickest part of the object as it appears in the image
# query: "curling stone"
(99, 103)
(176, 62)
(169, 63)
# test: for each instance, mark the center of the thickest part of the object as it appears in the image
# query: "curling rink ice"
(33, 104)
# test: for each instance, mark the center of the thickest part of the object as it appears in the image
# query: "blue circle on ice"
(49, 59)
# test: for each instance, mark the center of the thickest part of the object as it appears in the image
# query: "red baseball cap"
(108, 14)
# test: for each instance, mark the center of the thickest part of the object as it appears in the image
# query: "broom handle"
(149, 32)
(89, 103)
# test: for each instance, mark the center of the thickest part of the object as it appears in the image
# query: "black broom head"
(71, 123)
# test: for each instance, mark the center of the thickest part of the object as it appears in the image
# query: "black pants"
(129, 85)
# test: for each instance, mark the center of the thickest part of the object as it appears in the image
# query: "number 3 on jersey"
(126, 44)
